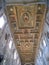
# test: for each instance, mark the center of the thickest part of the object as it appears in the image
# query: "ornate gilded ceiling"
(26, 23)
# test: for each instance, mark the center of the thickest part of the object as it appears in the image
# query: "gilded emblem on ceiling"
(25, 17)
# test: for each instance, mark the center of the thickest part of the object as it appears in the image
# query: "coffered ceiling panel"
(26, 23)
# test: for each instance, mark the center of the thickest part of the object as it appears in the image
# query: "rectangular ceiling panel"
(26, 23)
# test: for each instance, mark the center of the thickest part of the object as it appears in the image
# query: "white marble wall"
(4, 47)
